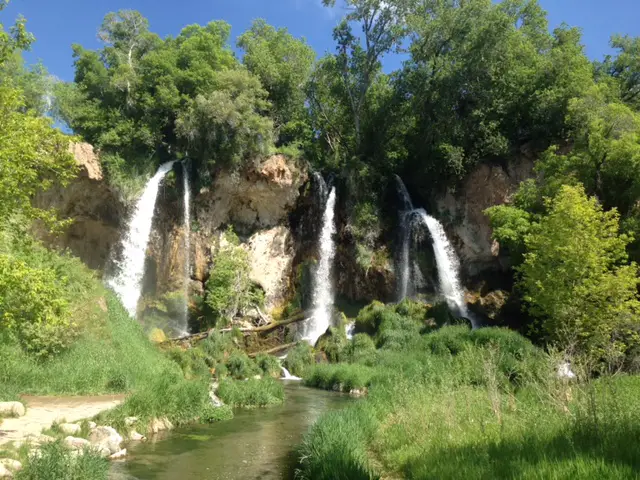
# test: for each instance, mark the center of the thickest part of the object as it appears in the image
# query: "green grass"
(339, 377)
(112, 357)
(55, 462)
(473, 404)
(251, 393)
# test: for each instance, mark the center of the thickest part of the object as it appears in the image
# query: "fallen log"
(273, 350)
(196, 337)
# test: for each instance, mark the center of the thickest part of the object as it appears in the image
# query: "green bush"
(55, 462)
(361, 349)
(299, 359)
(251, 393)
(240, 366)
(269, 365)
(339, 377)
(211, 414)
(332, 343)
(370, 317)
(217, 345)
(397, 332)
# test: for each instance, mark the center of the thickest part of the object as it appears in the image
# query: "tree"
(358, 59)
(227, 125)
(625, 68)
(17, 38)
(575, 277)
(283, 65)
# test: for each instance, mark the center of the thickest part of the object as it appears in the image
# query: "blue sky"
(57, 24)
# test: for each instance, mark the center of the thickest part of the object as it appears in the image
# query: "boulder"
(92, 425)
(12, 409)
(76, 443)
(157, 335)
(107, 438)
(69, 428)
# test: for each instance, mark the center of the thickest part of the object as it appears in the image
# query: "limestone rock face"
(260, 196)
(96, 211)
(271, 257)
(486, 186)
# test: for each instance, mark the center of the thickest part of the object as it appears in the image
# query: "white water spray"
(448, 267)
(447, 261)
(127, 282)
(322, 288)
(287, 376)
(187, 249)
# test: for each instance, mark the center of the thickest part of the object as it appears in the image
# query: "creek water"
(255, 444)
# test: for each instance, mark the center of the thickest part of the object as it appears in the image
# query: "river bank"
(255, 444)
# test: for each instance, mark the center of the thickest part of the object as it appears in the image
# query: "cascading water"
(322, 288)
(127, 282)
(187, 248)
(404, 274)
(448, 267)
(446, 259)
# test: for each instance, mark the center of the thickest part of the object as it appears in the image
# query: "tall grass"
(111, 357)
(251, 393)
(55, 462)
(474, 404)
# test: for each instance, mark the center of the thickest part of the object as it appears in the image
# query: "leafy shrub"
(332, 343)
(448, 340)
(397, 331)
(361, 349)
(192, 361)
(370, 317)
(268, 364)
(211, 414)
(339, 377)
(251, 393)
(33, 305)
(217, 345)
(54, 461)
(240, 366)
(299, 359)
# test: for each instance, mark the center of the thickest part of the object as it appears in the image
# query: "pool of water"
(255, 444)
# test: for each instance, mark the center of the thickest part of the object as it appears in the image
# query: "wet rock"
(69, 428)
(358, 392)
(489, 305)
(106, 437)
(12, 409)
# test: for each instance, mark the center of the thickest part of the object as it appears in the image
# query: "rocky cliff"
(94, 208)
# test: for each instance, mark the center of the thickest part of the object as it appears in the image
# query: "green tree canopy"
(575, 277)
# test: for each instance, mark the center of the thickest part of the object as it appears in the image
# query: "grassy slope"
(462, 404)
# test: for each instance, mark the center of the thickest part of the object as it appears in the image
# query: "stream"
(255, 444)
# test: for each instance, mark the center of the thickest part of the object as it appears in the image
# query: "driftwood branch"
(273, 350)
(196, 337)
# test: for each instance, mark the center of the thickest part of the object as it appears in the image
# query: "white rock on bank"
(12, 409)
(135, 436)
(5, 473)
(70, 428)
(11, 464)
(92, 425)
(160, 424)
(121, 454)
(106, 437)
(130, 421)
(76, 443)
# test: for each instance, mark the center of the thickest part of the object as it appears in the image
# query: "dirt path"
(43, 411)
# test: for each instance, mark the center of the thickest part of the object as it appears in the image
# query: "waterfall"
(350, 329)
(287, 376)
(404, 274)
(448, 267)
(447, 261)
(187, 248)
(127, 282)
(322, 288)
